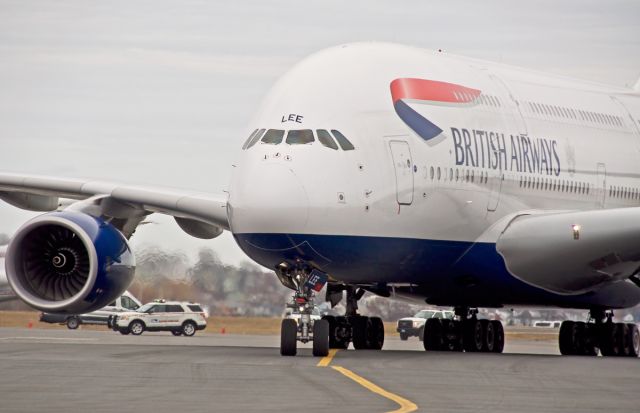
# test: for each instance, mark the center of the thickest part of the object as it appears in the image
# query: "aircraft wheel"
(433, 335)
(333, 331)
(474, 335)
(625, 340)
(566, 338)
(498, 345)
(288, 337)
(634, 340)
(359, 326)
(489, 336)
(321, 338)
(375, 333)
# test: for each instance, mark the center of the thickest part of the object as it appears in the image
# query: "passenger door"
(156, 316)
(174, 315)
(403, 167)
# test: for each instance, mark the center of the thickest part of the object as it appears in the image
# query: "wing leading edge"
(200, 214)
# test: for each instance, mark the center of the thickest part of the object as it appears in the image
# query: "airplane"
(404, 172)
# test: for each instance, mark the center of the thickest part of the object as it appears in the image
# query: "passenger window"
(300, 137)
(325, 139)
(342, 140)
(255, 138)
(174, 309)
(273, 137)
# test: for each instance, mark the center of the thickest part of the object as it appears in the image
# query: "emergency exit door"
(403, 167)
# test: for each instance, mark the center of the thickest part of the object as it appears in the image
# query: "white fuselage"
(511, 140)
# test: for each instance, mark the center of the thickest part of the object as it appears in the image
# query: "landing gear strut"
(465, 332)
(366, 333)
(306, 282)
(601, 334)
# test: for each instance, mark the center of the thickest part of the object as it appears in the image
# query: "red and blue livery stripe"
(424, 90)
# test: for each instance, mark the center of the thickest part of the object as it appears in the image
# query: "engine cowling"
(69, 262)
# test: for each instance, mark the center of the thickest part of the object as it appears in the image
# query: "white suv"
(181, 318)
(414, 326)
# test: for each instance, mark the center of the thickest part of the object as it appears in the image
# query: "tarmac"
(103, 371)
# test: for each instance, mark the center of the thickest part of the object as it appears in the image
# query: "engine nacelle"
(69, 262)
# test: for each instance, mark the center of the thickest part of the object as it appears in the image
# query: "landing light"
(576, 231)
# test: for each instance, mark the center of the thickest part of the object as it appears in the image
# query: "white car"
(126, 302)
(181, 318)
(414, 326)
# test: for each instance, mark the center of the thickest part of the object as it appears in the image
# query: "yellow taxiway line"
(325, 361)
(406, 406)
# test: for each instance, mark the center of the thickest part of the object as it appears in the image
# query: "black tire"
(488, 336)
(176, 333)
(566, 338)
(124, 332)
(606, 338)
(453, 335)
(344, 332)
(625, 340)
(359, 331)
(136, 327)
(321, 338)
(375, 333)
(589, 340)
(333, 331)
(73, 323)
(433, 335)
(288, 337)
(617, 335)
(188, 328)
(634, 340)
(404, 337)
(498, 346)
(473, 336)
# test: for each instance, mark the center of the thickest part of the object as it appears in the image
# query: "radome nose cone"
(268, 199)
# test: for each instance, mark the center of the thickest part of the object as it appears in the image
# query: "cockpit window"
(249, 139)
(342, 140)
(255, 137)
(325, 139)
(273, 136)
(300, 136)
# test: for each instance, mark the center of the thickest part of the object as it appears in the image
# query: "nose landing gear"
(301, 327)
(331, 331)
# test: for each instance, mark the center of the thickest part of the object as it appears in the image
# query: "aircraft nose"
(268, 199)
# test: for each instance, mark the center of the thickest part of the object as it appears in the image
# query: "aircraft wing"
(199, 214)
(573, 252)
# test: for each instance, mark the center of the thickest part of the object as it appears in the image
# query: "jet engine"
(69, 262)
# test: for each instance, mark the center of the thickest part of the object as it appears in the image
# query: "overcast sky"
(160, 92)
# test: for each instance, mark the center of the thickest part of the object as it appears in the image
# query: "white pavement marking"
(48, 338)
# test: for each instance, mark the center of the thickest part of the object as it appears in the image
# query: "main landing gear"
(366, 333)
(465, 332)
(600, 334)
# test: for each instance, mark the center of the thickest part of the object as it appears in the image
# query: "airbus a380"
(399, 171)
